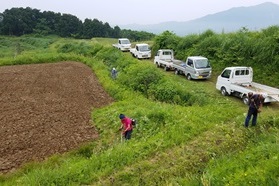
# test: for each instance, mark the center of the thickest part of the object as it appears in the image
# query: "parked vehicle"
(237, 81)
(123, 44)
(195, 67)
(141, 51)
(165, 58)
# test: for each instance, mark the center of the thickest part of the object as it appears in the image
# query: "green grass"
(202, 144)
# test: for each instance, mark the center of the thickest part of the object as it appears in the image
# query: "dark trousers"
(251, 112)
(128, 134)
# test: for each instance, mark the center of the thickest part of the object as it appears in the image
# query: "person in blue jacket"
(255, 104)
(113, 73)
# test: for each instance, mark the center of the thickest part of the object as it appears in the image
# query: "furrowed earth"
(45, 109)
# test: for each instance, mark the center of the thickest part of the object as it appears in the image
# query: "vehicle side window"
(190, 63)
(226, 74)
(241, 72)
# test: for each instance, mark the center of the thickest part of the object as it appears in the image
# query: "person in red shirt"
(126, 126)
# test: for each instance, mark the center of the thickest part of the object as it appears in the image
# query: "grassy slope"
(171, 145)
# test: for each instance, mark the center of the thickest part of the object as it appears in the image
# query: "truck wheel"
(158, 65)
(245, 100)
(188, 77)
(224, 91)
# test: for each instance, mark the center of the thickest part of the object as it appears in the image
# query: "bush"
(168, 92)
(140, 77)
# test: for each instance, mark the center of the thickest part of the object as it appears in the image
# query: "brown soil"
(45, 109)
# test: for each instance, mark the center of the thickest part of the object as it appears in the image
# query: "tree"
(68, 25)
(166, 40)
(19, 21)
(51, 21)
(42, 27)
(116, 32)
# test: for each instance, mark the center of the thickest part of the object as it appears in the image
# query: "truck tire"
(245, 100)
(224, 91)
(188, 77)
(157, 65)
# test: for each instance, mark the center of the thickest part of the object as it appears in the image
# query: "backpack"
(134, 122)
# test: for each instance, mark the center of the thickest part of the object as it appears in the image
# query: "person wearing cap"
(255, 104)
(113, 73)
(126, 126)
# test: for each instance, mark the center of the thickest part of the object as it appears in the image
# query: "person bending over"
(255, 104)
(126, 126)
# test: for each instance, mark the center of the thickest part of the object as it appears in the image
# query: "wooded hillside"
(20, 21)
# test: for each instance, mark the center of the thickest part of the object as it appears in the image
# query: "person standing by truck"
(126, 126)
(255, 104)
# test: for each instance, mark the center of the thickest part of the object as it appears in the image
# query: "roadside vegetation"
(187, 132)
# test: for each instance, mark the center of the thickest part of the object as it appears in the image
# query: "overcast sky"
(122, 12)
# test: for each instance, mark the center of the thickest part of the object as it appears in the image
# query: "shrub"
(168, 92)
(140, 77)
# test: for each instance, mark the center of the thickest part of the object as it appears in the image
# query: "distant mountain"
(253, 18)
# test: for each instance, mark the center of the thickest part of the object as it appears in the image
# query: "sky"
(123, 12)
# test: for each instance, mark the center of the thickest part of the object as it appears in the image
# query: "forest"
(20, 21)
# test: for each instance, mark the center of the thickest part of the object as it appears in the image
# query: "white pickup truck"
(237, 81)
(141, 51)
(195, 67)
(165, 58)
(123, 44)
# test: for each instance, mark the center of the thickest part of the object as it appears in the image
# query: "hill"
(187, 132)
(253, 18)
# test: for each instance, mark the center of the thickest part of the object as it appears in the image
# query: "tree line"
(20, 21)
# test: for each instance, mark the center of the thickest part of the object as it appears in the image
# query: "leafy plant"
(140, 77)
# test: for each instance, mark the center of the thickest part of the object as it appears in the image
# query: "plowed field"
(45, 109)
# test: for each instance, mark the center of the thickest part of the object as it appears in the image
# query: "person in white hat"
(113, 73)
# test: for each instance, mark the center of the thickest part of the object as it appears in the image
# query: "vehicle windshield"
(144, 48)
(125, 42)
(202, 63)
